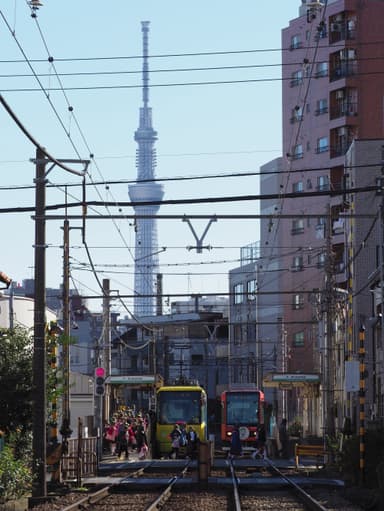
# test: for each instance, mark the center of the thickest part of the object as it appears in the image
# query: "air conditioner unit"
(339, 18)
(342, 131)
(339, 94)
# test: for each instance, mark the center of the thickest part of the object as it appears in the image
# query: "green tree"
(15, 379)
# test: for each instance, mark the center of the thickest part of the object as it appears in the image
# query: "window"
(238, 290)
(237, 334)
(321, 69)
(321, 107)
(297, 152)
(298, 301)
(297, 263)
(251, 332)
(296, 42)
(298, 339)
(321, 260)
(297, 114)
(296, 78)
(297, 187)
(297, 226)
(322, 183)
(251, 290)
(322, 145)
(321, 221)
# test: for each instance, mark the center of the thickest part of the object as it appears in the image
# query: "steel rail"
(235, 486)
(159, 502)
(308, 500)
(89, 499)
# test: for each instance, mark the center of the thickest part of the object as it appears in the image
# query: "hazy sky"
(210, 128)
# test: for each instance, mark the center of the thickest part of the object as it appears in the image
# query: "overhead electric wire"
(70, 108)
(169, 84)
(187, 178)
(189, 54)
(172, 70)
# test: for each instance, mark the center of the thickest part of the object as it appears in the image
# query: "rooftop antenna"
(313, 8)
(35, 4)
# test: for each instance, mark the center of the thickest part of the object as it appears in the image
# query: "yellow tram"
(186, 404)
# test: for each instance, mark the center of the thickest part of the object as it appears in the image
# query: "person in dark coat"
(175, 437)
(283, 437)
(192, 443)
(236, 448)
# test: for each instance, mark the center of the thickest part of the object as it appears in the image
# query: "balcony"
(347, 109)
(343, 70)
(339, 149)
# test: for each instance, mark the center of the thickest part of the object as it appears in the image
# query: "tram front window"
(242, 409)
(179, 407)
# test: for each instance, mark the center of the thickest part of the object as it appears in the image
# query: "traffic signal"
(99, 381)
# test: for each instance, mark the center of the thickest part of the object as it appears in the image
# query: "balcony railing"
(295, 82)
(296, 118)
(343, 70)
(321, 111)
(344, 110)
(339, 149)
(296, 45)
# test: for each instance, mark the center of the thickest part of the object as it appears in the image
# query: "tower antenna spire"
(145, 30)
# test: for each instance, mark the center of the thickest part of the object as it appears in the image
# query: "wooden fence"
(81, 459)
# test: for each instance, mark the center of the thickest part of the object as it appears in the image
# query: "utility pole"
(39, 441)
(107, 361)
(65, 429)
(39, 362)
(362, 404)
(329, 313)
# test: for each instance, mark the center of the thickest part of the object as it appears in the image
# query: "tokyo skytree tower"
(146, 245)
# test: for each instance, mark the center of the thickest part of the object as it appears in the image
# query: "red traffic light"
(100, 371)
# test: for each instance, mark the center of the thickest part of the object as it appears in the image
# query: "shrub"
(295, 428)
(15, 475)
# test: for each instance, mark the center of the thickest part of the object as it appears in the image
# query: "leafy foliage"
(15, 475)
(15, 379)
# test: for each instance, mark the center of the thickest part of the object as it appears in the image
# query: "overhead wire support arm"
(199, 241)
(42, 150)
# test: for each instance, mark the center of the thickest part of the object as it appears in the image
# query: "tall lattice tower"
(146, 247)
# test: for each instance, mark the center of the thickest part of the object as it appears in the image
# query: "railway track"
(240, 485)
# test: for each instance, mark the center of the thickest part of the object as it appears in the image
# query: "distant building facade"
(332, 83)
